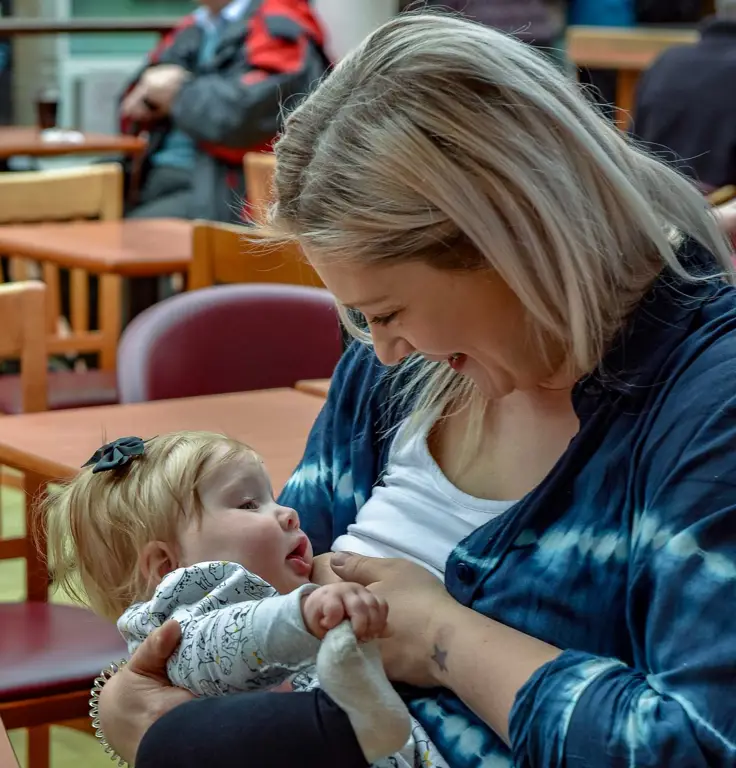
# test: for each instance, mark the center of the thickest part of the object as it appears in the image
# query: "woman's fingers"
(150, 658)
(360, 569)
(358, 611)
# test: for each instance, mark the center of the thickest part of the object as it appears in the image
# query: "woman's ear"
(156, 560)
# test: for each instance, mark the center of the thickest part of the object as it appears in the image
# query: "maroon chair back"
(229, 338)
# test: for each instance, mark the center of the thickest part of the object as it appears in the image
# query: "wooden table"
(7, 756)
(19, 140)
(628, 50)
(130, 247)
(317, 387)
(54, 444)
(17, 26)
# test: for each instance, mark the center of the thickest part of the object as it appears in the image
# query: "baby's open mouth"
(299, 550)
(297, 558)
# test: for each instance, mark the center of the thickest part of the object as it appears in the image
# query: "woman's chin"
(491, 387)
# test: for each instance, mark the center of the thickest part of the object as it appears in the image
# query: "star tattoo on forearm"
(440, 658)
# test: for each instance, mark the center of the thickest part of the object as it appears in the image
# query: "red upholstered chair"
(49, 658)
(229, 338)
(66, 389)
(49, 654)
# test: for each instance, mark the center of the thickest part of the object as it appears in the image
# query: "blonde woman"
(547, 339)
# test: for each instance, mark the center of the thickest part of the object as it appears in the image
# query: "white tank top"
(417, 513)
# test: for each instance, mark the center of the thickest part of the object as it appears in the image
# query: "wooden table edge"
(28, 462)
(53, 471)
(313, 387)
(59, 150)
(94, 144)
(100, 267)
(123, 268)
(10, 26)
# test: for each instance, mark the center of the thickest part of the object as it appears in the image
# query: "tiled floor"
(69, 749)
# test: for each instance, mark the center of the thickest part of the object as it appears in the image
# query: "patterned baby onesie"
(239, 634)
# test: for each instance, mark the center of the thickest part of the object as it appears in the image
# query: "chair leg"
(39, 746)
(37, 577)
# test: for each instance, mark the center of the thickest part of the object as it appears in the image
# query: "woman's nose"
(390, 350)
(288, 518)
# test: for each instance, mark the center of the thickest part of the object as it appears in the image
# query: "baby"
(185, 527)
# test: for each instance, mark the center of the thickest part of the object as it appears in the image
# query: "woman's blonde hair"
(442, 140)
(97, 524)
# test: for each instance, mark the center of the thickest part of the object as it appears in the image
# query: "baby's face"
(243, 524)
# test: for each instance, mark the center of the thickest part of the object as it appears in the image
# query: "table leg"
(626, 84)
(111, 319)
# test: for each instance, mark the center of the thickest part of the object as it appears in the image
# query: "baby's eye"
(249, 505)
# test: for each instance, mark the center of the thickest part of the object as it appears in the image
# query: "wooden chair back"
(77, 194)
(259, 168)
(23, 335)
(224, 253)
(722, 195)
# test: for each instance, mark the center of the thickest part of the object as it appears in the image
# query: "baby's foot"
(352, 675)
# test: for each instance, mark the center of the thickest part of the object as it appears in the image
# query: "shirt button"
(464, 572)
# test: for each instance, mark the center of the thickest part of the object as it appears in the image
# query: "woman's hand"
(140, 693)
(322, 572)
(436, 641)
(418, 604)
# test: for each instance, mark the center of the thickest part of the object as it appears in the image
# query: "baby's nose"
(288, 518)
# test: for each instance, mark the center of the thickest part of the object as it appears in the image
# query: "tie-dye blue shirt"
(624, 556)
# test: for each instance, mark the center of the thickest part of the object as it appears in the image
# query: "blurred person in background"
(538, 22)
(212, 91)
(683, 106)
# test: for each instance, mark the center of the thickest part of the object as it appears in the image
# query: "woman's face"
(469, 319)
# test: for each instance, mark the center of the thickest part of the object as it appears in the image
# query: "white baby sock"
(352, 675)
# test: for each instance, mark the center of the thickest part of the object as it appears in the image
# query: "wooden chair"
(259, 169)
(92, 192)
(49, 654)
(22, 334)
(224, 253)
(722, 195)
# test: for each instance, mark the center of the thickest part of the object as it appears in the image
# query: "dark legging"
(253, 730)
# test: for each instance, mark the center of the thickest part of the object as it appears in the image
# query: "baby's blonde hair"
(97, 524)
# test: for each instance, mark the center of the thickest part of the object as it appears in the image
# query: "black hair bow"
(117, 454)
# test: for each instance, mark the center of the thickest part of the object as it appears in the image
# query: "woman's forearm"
(486, 663)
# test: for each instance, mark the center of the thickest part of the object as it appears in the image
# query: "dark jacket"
(540, 22)
(233, 104)
(685, 103)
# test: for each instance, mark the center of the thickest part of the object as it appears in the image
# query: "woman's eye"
(383, 319)
(249, 505)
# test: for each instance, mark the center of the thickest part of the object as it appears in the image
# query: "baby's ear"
(156, 560)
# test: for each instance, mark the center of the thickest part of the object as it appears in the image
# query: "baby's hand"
(332, 604)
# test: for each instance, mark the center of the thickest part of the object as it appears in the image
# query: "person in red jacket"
(214, 89)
